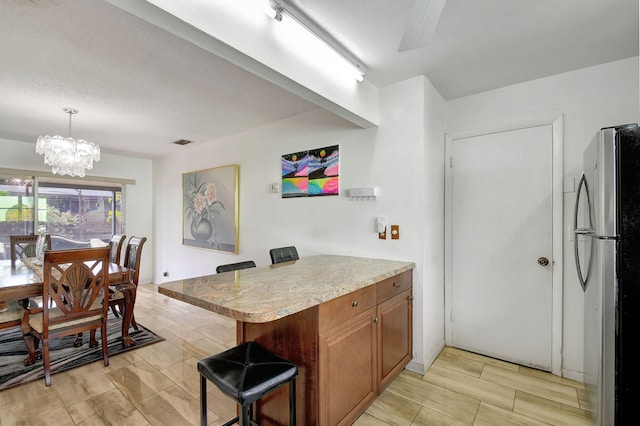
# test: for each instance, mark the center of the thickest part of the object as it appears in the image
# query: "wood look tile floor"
(159, 384)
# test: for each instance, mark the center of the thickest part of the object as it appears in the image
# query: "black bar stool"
(283, 254)
(246, 373)
(235, 266)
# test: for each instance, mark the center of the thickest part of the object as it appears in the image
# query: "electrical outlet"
(383, 235)
(395, 232)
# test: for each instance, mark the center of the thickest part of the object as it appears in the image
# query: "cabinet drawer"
(343, 308)
(395, 285)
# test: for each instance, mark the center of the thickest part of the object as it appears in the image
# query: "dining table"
(26, 280)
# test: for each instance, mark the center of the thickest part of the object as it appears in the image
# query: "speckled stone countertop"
(267, 293)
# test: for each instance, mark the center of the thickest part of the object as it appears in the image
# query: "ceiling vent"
(182, 142)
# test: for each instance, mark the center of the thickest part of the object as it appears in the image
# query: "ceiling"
(138, 88)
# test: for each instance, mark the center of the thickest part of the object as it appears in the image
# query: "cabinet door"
(347, 370)
(394, 336)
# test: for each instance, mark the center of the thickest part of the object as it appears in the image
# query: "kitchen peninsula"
(346, 322)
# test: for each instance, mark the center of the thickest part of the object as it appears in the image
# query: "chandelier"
(68, 156)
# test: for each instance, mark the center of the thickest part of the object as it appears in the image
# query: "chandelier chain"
(70, 111)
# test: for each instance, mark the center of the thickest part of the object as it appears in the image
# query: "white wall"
(432, 298)
(391, 157)
(588, 99)
(138, 208)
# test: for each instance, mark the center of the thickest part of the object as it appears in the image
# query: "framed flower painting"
(210, 208)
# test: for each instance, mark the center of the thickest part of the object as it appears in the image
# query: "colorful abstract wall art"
(295, 174)
(311, 173)
(324, 171)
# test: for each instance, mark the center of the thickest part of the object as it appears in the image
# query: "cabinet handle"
(354, 303)
(396, 285)
(376, 319)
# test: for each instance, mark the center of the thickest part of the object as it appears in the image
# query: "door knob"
(543, 261)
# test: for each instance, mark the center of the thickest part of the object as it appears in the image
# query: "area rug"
(64, 355)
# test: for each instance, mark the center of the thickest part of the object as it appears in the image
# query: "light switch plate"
(395, 232)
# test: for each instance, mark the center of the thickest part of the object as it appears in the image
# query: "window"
(73, 209)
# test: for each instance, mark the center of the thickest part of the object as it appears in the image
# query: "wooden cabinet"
(394, 327)
(348, 380)
(394, 337)
(347, 362)
(364, 342)
(335, 312)
(348, 349)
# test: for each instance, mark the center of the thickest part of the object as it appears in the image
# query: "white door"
(501, 236)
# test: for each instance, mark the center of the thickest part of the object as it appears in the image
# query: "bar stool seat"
(246, 373)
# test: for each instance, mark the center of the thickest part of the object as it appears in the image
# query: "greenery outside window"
(77, 210)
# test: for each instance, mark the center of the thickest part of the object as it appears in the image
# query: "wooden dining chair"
(132, 257)
(235, 266)
(283, 254)
(25, 246)
(116, 243)
(75, 285)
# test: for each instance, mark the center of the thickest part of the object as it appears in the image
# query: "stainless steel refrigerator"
(607, 252)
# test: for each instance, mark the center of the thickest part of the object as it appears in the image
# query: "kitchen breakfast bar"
(346, 322)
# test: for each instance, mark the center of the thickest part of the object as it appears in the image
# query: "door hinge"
(451, 162)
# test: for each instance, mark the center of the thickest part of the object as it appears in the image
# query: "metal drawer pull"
(354, 303)
(396, 285)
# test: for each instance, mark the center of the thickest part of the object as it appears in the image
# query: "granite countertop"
(267, 293)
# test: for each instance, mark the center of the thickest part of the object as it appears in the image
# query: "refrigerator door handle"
(581, 231)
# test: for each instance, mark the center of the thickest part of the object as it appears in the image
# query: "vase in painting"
(201, 230)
